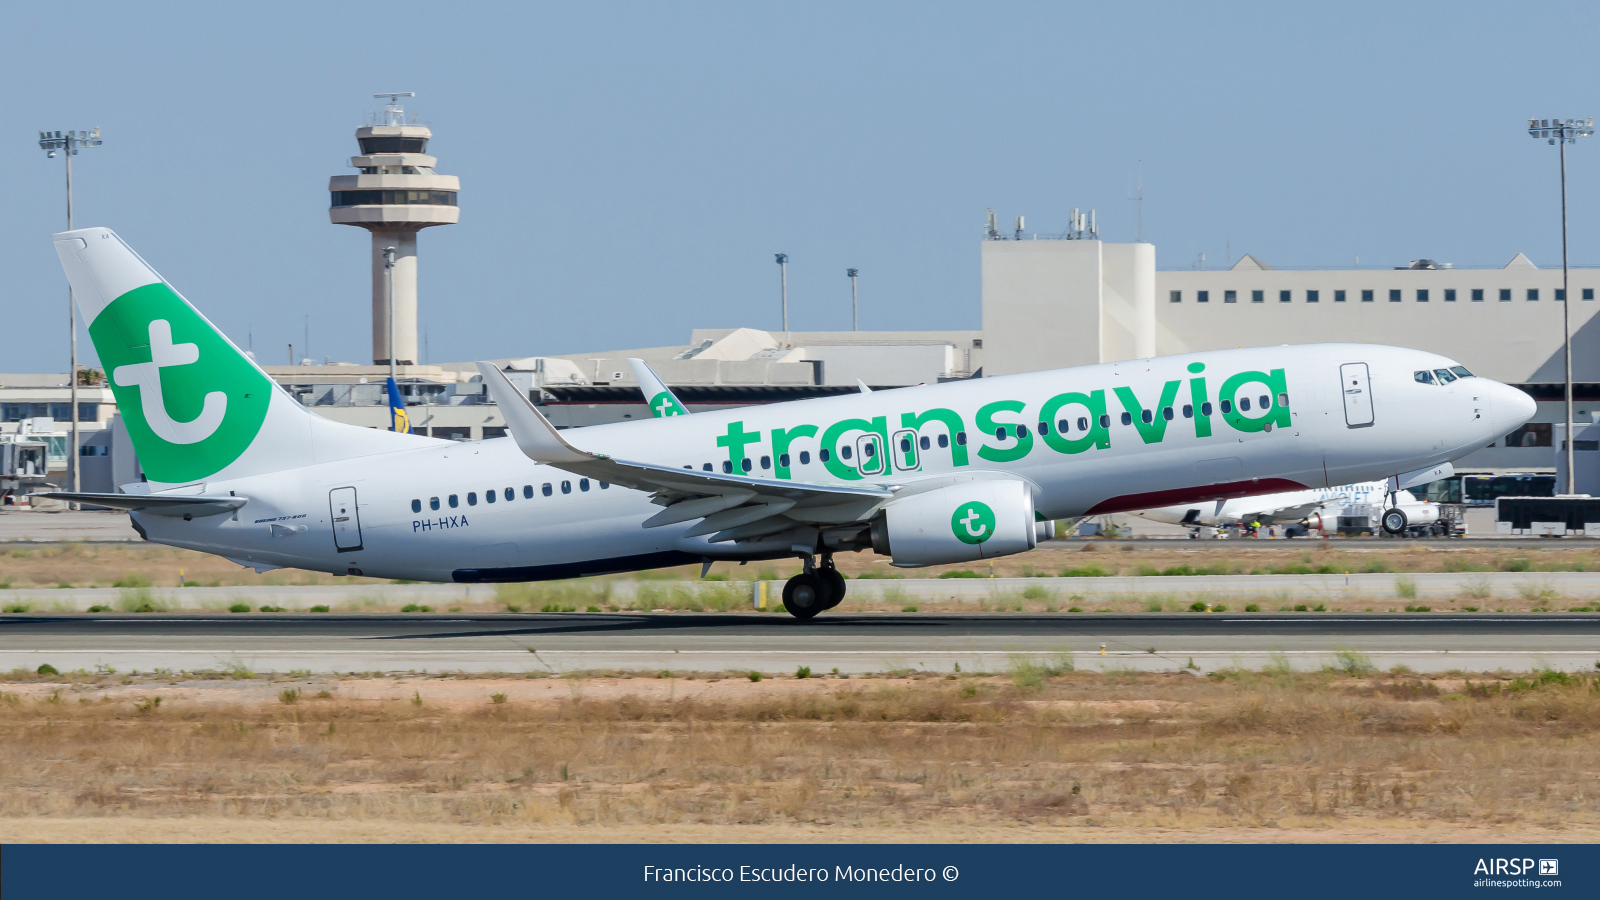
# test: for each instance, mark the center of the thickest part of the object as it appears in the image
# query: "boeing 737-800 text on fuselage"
(925, 475)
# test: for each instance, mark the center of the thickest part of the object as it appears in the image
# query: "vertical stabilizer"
(663, 402)
(196, 408)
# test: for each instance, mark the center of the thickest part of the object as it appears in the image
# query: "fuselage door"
(1356, 385)
(869, 455)
(905, 451)
(346, 520)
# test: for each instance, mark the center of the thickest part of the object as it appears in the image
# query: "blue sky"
(628, 170)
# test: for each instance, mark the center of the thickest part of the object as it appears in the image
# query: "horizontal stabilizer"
(155, 504)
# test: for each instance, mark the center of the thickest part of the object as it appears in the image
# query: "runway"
(774, 643)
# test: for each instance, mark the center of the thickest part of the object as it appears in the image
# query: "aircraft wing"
(731, 506)
(190, 505)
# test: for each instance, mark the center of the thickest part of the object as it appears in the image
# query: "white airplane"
(925, 475)
(1319, 509)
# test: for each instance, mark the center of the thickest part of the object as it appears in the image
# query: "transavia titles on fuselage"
(925, 475)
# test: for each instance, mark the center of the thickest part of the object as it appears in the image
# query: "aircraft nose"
(1510, 408)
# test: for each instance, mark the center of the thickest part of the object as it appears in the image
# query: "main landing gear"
(815, 589)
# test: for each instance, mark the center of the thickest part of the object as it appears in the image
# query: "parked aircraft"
(1316, 509)
(925, 475)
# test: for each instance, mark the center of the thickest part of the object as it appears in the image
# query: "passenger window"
(944, 440)
(1423, 377)
(510, 494)
(1188, 411)
(905, 445)
(745, 464)
(1227, 407)
(604, 485)
(1444, 376)
(727, 467)
(454, 502)
(961, 438)
(527, 492)
(583, 484)
(1266, 401)
(1167, 414)
(1205, 408)
(1044, 427)
(1146, 416)
(1105, 420)
(783, 460)
(472, 498)
(925, 443)
(1022, 432)
(545, 489)
(487, 495)
(1244, 404)
(823, 454)
(844, 452)
(1127, 418)
(766, 462)
(1000, 433)
(706, 467)
(1283, 400)
(566, 487)
(416, 506)
(433, 502)
(1063, 426)
(805, 457)
(1083, 424)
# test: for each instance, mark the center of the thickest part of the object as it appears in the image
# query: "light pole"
(855, 307)
(68, 144)
(1561, 133)
(388, 278)
(783, 286)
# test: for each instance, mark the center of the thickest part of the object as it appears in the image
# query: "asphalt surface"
(774, 642)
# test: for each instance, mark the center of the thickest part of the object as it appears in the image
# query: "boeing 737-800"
(925, 475)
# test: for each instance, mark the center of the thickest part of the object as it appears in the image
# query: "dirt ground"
(1038, 753)
(143, 565)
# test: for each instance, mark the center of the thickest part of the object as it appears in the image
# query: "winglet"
(863, 386)
(663, 403)
(534, 434)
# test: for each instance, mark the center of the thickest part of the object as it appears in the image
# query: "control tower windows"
(392, 144)
(409, 198)
(1533, 293)
(1505, 294)
(1477, 295)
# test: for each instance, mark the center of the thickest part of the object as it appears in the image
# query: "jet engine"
(960, 523)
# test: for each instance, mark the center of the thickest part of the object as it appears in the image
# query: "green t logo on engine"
(973, 522)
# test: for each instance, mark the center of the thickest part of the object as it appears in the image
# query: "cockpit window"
(1445, 376)
(1423, 377)
(1461, 371)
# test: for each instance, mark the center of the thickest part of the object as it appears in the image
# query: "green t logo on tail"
(664, 405)
(191, 401)
(973, 523)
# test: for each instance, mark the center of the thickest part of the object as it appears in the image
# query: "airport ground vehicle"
(926, 475)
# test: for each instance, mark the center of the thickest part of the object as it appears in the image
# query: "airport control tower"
(395, 196)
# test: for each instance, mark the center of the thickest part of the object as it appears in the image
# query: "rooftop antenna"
(393, 112)
(1020, 223)
(1138, 199)
(993, 231)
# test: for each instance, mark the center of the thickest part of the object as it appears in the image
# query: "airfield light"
(69, 144)
(1561, 133)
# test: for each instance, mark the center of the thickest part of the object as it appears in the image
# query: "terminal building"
(1047, 301)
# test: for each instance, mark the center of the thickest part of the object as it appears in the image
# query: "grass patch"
(1030, 674)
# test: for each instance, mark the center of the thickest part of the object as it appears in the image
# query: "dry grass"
(1136, 754)
(135, 564)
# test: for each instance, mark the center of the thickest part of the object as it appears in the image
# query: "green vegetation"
(960, 573)
(46, 669)
(1252, 607)
(319, 608)
(417, 607)
(803, 672)
(235, 608)
(753, 675)
(1086, 572)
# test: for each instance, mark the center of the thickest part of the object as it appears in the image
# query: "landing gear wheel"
(1394, 521)
(834, 582)
(804, 596)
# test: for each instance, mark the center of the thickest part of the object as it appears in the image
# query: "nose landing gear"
(815, 589)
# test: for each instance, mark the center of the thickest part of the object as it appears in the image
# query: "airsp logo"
(973, 522)
(191, 401)
(665, 405)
